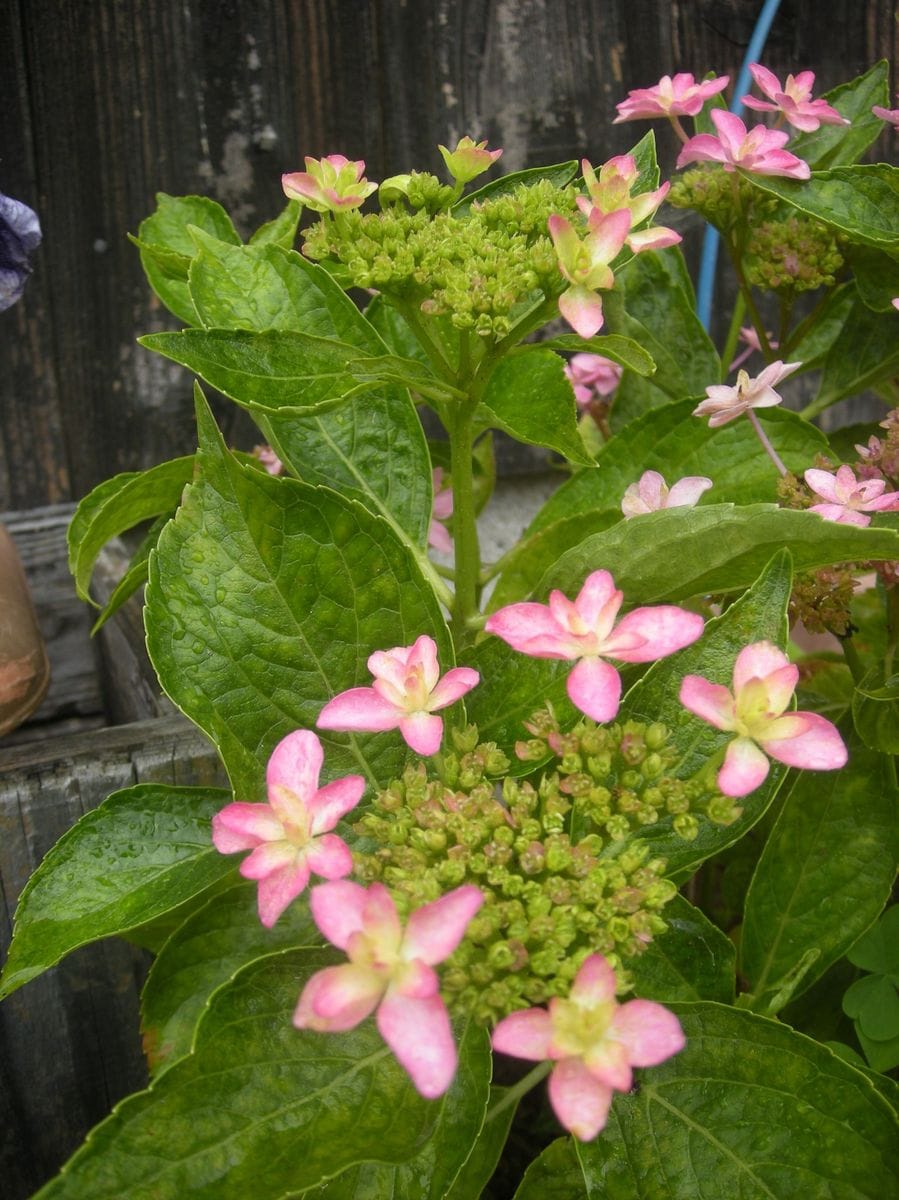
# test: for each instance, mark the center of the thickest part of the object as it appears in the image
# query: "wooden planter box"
(69, 1040)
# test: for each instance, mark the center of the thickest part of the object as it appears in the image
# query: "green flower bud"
(685, 825)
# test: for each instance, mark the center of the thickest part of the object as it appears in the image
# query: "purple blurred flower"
(20, 234)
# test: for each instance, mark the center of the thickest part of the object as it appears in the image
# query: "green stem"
(465, 529)
(733, 335)
(514, 1093)
(853, 659)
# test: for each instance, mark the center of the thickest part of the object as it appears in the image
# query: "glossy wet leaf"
(693, 960)
(143, 852)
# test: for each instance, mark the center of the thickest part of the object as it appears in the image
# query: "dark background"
(106, 102)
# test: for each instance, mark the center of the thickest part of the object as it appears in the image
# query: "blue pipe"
(709, 260)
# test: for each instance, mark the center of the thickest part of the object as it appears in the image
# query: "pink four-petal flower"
(594, 1041)
(611, 190)
(763, 684)
(592, 375)
(847, 500)
(586, 630)
(289, 837)
(406, 692)
(759, 150)
(725, 403)
(469, 159)
(331, 184)
(680, 96)
(585, 264)
(793, 98)
(651, 493)
(390, 969)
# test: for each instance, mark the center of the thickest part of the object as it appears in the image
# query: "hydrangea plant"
(596, 805)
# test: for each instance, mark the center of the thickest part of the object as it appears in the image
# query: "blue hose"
(709, 260)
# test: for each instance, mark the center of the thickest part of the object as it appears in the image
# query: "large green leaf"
(143, 852)
(840, 145)
(861, 201)
(693, 960)
(750, 1109)
(119, 504)
(865, 351)
(719, 548)
(487, 1149)
(203, 953)
(824, 875)
(282, 231)
(260, 1109)
(265, 598)
(876, 276)
(555, 1174)
(530, 398)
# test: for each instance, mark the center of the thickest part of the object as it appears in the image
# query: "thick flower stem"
(766, 444)
(465, 530)
(513, 1094)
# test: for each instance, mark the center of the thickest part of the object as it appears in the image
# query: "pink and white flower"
(585, 630)
(887, 114)
(441, 510)
(469, 159)
(759, 150)
(680, 96)
(269, 460)
(726, 403)
(592, 375)
(793, 99)
(331, 184)
(290, 836)
(390, 969)
(406, 692)
(847, 500)
(611, 191)
(594, 1042)
(750, 340)
(651, 494)
(763, 684)
(585, 264)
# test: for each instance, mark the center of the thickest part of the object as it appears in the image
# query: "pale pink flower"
(390, 969)
(331, 184)
(888, 114)
(650, 493)
(759, 150)
(585, 630)
(269, 460)
(289, 837)
(764, 681)
(442, 508)
(592, 375)
(847, 500)
(792, 98)
(726, 403)
(611, 191)
(681, 96)
(585, 264)
(750, 339)
(594, 1042)
(404, 696)
(469, 159)
(895, 300)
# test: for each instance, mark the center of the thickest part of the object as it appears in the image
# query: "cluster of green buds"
(793, 255)
(555, 855)
(718, 196)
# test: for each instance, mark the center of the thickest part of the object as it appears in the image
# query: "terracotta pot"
(24, 669)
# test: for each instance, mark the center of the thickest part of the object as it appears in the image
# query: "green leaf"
(529, 397)
(825, 873)
(876, 276)
(693, 960)
(203, 953)
(882, 1056)
(841, 145)
(119, 504)
(622, 350)
(135, 576)
(266, 596)
(143, 852)
(430, 1175)
(878, 949)
(750, 1109)
(282, 231)
(259, 1109)
(720, 548)
(865, 351)
(485, 1153)
(559, 176)
(874, 1002)
(554, 1175)
(813, 347)
(861, 201)
(875, 710)
(644, 156)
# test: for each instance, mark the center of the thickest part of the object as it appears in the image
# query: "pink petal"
(824, 483)
(434, 931)
(607, 1062)
(242, 826)
(278, 889)
(594, 687)
(269, 858)
(295, 764)
(731, 132)
(419, 1034)
(657, 237)
(702, 148)
(649, 1032)
(582, 309)
(416, 980)
(598, 602)
(607, 233)
(338, 998)
(594, 982)
(520, 624)
(334, 801)
(779, 688)
(819, 748)
(329, 856)
(757, 661)
(745, 768)
(687, 490)
(338, 910)
(526, 1034)
(454, 684)
(439, 537)
(758, 105)
(360, 710)
(711, 702)
(424, 655)
(662, 629)
(579, 1101)
(840, 514)
(766, 80)
(423, 732)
